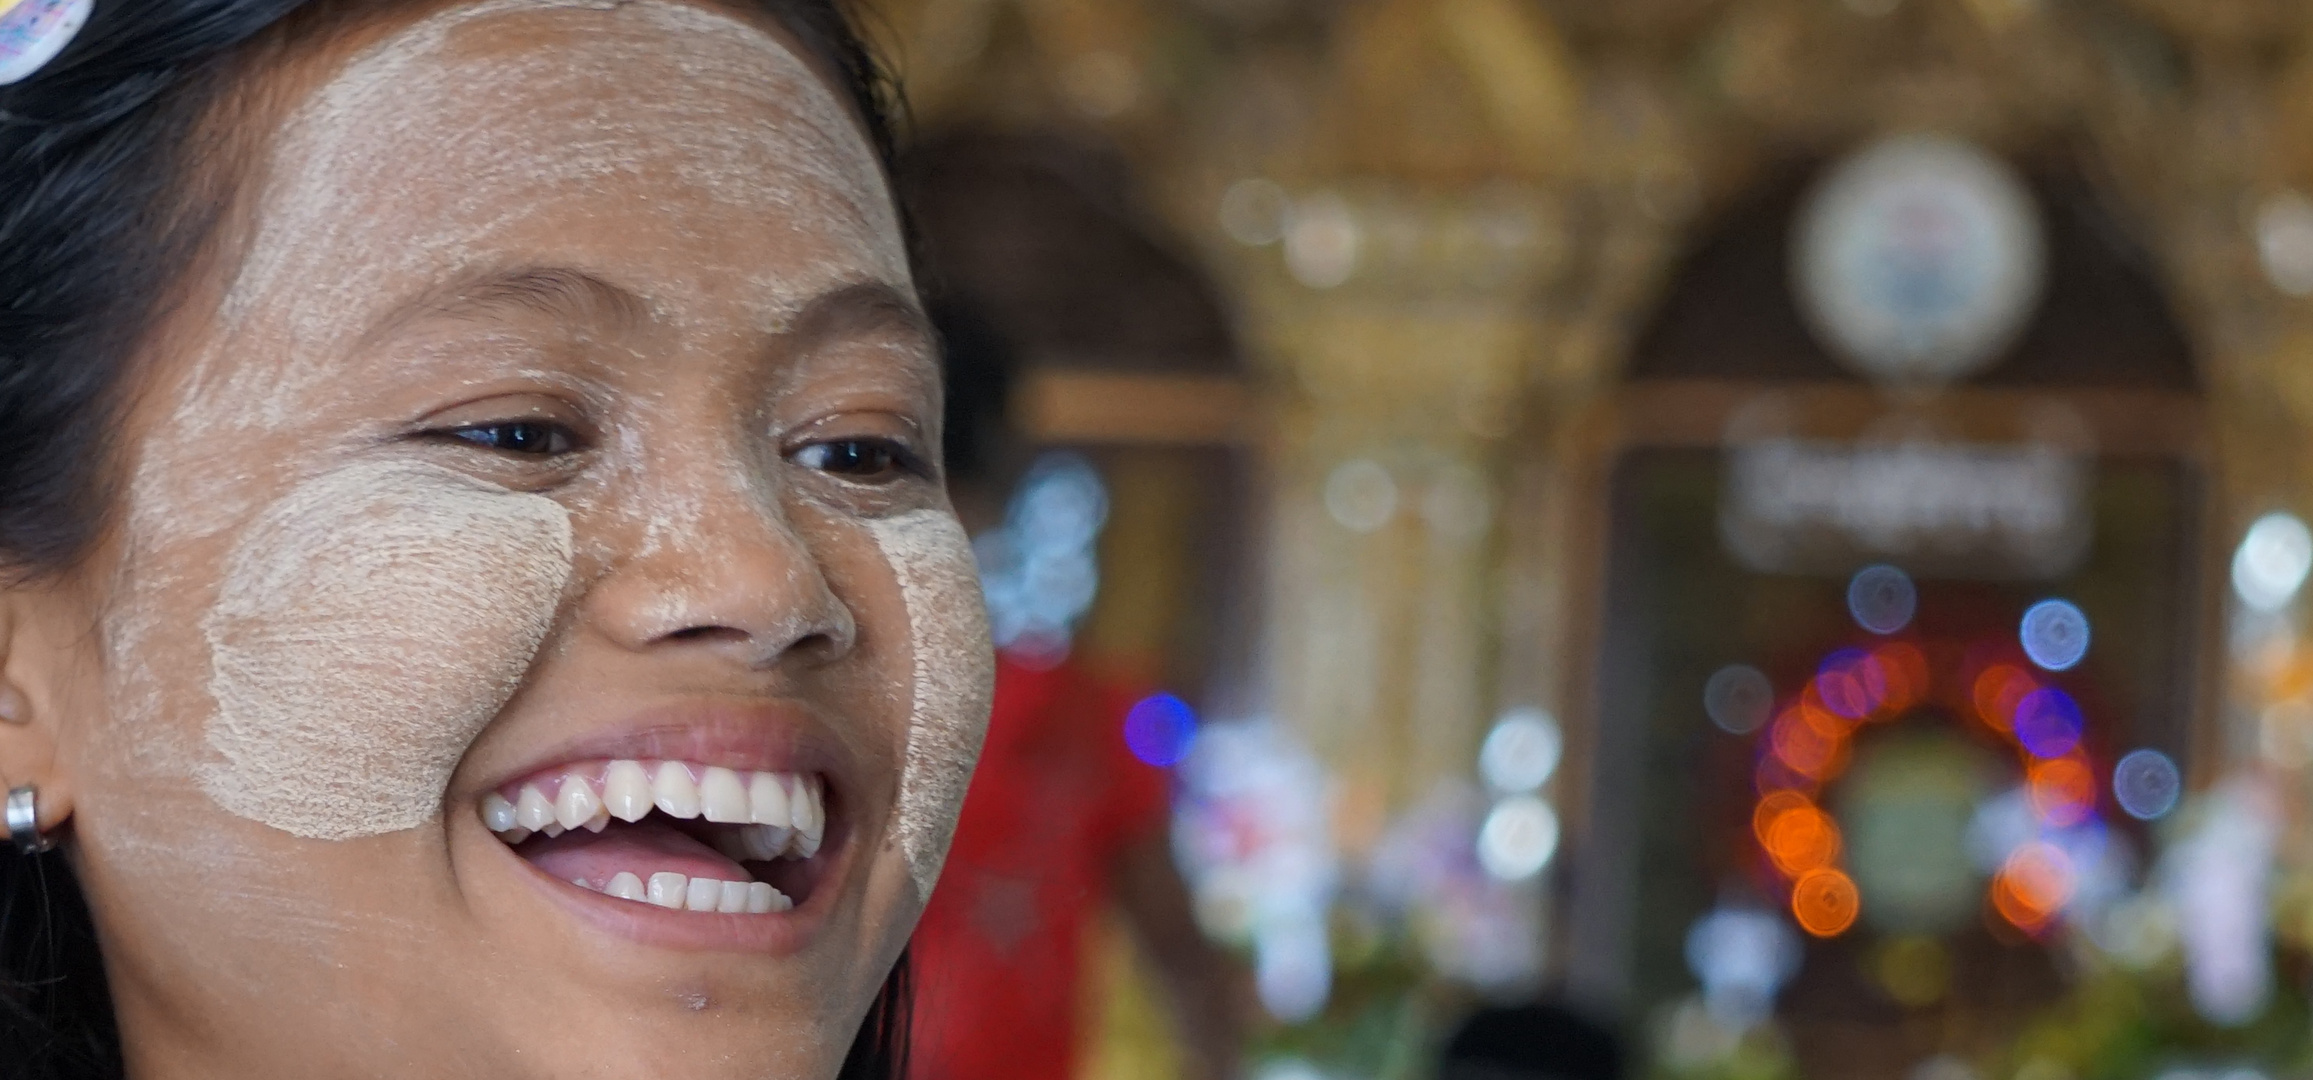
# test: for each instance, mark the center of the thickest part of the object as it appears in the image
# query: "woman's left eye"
(859, 459)
(533, 438)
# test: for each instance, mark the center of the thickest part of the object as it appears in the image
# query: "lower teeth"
(679, 893)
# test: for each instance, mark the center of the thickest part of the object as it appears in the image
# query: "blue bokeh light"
(2048, 722)
(2055, 634)
(1040, 570)
(1882, 598)
(2146, 784)
(1159, 729)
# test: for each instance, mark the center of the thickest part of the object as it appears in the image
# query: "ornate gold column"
(1393, 263)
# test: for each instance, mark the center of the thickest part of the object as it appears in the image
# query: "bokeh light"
(2146, 784)
(1905, 670)
(1521, 752)
(2001, 822)
(1799, 741)
(1914, 969)
(1825, 902)
(2033, 885)
(1997, 692)
(1289, 1068)
(2284, 229)
(2063, 791)
(1802, 839)
(1881, 598)
(1742, 957)
(1518, 838)
(1293, 968)
(1322, 240)
(1361, 495)
(1808, 743)
(1772, 805)
(1738, 698)
(1819, 715)
(1254, 211)
(2048, 723)
(2271, 563)
(1159, 729)
(1851, 684)
(2055, 634)
(1039, 570)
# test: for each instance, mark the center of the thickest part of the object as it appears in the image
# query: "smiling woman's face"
(536, 642)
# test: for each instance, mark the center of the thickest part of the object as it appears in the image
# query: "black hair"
(107, 157)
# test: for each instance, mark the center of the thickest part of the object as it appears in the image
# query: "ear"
(49, 663)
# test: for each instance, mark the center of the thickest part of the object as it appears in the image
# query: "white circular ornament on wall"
(1918, 259)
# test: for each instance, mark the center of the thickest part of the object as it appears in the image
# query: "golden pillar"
(1394, 261)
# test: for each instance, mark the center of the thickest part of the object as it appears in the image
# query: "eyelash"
(892, 459)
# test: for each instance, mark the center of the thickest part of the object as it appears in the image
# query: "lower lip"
(782, 933)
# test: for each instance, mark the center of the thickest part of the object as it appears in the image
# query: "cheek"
(368, 626)
(952, 683)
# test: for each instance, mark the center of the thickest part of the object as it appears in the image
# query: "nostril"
(708, 633)
(819, 645)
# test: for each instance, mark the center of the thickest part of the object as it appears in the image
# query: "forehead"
(660, 143)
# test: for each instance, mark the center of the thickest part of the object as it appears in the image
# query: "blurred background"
(1652, 538)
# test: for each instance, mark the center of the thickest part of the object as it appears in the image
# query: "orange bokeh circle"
(1825, 902)
(1802, 840)
(1801, 742)
(1772, 805)
(2033, 885)
(2063, 790)
(1906, 670)
(1997, 691)
(1818, 712)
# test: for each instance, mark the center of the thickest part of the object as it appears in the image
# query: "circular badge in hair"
(1919, 259)
(32, 32)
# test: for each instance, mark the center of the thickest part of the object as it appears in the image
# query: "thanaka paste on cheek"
(371, 623)
(954, 680)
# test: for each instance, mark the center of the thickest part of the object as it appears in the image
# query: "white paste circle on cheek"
(370, 625)
(954, 680)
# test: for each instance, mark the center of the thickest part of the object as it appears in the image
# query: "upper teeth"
(783, 812)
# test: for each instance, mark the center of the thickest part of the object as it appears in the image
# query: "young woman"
(483, 601)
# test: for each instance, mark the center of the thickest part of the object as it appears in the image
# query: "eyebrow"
(555, 292)
(860, 306)
(577, 296)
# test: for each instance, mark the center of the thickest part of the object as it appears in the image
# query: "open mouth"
(678, 835)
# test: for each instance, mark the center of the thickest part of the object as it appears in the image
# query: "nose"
(726, 574)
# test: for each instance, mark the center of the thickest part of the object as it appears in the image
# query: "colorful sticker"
(32, 32)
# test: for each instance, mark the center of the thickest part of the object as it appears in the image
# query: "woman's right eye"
(532, 438)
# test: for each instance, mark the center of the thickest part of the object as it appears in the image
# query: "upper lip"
(761, 736)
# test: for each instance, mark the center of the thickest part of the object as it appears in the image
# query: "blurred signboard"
(1972, 510)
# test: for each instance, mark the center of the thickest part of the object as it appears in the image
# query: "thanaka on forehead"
(558, 293)
(535, 123)
(581, 297)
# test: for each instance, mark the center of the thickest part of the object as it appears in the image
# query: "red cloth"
(1056, 797)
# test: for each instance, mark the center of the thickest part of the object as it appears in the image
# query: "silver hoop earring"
(24, 821)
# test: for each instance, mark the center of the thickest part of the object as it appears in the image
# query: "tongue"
(651, 847)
